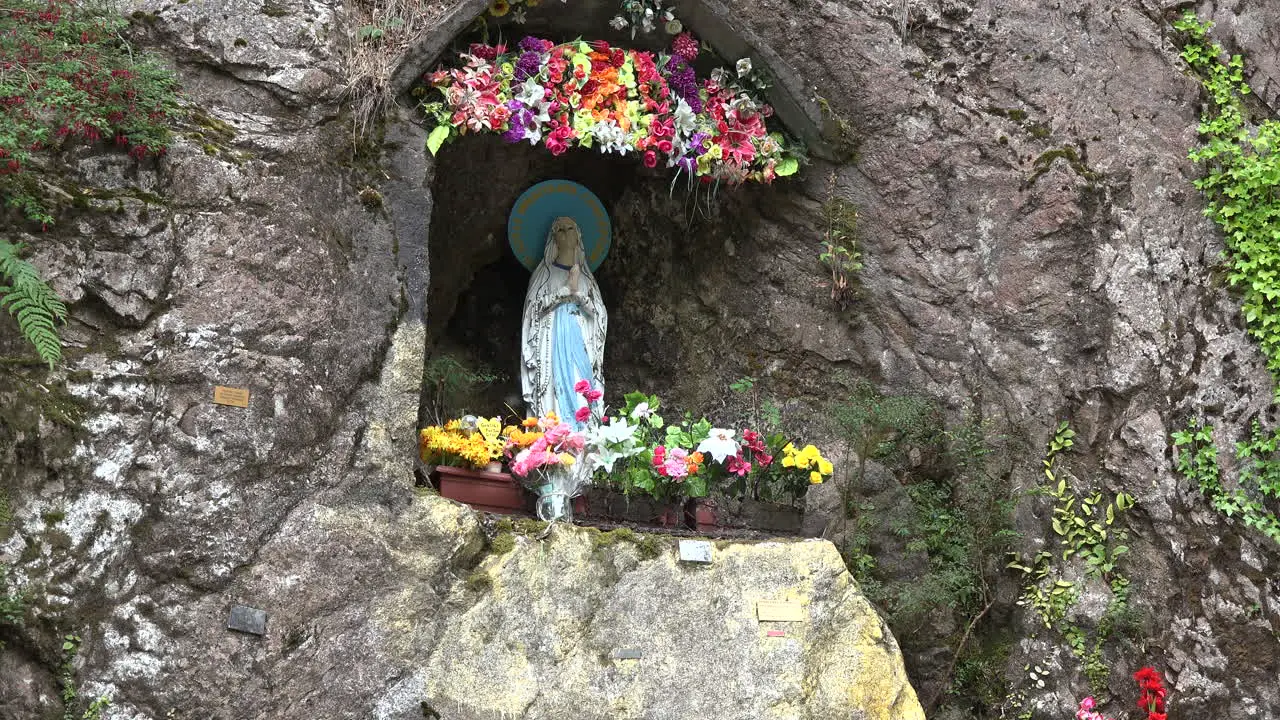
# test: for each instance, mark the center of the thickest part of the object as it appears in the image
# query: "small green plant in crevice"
(840, 253)
(1049, 595)
(1196, 458)
(67, 681)
(883, 427)
(13, 604)
(1085, 528)
(856, 549)
(1241, 158)
(448, 383)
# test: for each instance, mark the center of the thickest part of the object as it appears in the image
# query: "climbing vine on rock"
(1242, 163)
(1197, 459)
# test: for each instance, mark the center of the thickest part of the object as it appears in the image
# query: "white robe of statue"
(562, 289)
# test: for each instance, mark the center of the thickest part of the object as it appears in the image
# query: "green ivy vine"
(1196, 458)
(1242, 173)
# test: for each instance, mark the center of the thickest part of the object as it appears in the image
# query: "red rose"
(650, 159)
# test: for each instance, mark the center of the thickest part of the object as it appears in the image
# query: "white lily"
(684, 120)
(616, 431)
(531, 93)
(719, 444)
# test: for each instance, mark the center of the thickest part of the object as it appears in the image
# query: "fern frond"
(32, 302)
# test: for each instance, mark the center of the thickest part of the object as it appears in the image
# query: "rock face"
(543, 639)
(1034, 250)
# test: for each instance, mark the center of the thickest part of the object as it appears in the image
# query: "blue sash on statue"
(569, 361)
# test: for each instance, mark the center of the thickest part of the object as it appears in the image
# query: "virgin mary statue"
(562, 337)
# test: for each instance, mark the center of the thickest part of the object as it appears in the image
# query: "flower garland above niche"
(592, 95)
(642, 15)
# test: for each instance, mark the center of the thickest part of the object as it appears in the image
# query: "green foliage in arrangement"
(1196, 458)
(32, 302)
(1242, 163)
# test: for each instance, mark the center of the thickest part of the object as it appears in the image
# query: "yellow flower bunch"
(807, 459)
(450, 443)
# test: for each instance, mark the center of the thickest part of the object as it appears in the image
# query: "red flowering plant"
(592, 95)
(1151, 700)
(66, 75)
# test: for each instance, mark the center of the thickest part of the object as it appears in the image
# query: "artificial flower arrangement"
(592, 95)
(468, 442)
(1151, 699)
(542, 443)
(636, 450)
(643, 15)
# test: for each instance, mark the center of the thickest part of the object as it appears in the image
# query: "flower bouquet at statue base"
(471, 443)
(546, 454)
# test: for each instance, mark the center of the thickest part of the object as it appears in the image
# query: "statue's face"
(565, 234)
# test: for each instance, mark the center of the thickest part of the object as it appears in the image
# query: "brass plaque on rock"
(236, 397)
(780, 611)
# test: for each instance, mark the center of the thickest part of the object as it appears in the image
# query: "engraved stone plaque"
(247, 620)
(695, 551)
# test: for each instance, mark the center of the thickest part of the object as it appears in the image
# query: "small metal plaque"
(235, 397)
(627, 654)
(695, 551)
(780, 611)
(247, 620)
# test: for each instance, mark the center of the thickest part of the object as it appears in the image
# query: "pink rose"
(650, 159)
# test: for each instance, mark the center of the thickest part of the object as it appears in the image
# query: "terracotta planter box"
(706, 516)
(495, 492)
(702, 515)
(487, 491)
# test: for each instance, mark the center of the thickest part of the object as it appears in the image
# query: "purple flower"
(531, 44)
(521, 118)
(683, 81)
(528, 65)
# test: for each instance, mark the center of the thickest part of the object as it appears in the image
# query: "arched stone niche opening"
(681, 283)
(688, 275)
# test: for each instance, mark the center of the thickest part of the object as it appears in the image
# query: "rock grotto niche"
(685, 282)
